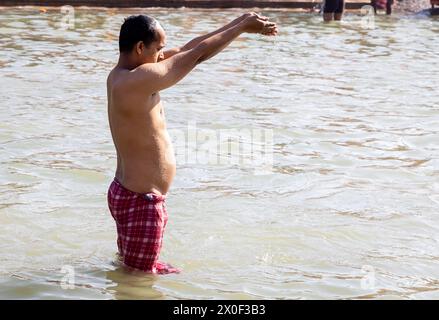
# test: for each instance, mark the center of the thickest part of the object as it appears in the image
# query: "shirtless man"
(145, 157)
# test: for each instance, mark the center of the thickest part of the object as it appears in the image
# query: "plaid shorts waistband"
(151, 196)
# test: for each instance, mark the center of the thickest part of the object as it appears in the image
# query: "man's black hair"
(135, 29)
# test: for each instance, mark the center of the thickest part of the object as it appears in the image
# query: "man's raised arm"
(194, 42)
(252, 23)
(153, 77)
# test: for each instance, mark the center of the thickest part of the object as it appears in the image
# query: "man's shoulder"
(118, 81)
(116, 74)
(135, 79)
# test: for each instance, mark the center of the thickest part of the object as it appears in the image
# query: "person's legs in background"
(333, 10)
(338, 14)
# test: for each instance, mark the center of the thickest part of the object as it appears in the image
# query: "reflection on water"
(352, 196)
(130, 285)
(114, 283)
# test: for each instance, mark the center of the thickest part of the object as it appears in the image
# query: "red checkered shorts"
(140, 220)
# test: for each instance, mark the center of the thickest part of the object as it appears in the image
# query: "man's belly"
(148, 167)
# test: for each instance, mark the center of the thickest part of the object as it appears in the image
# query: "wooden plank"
(352, 4)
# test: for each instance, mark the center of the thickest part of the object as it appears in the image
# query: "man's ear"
(139, 47)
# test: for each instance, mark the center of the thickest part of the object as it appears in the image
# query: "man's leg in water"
(329, 8)
(339, 10)
(140, 220)
(328, 17)
(389, 7)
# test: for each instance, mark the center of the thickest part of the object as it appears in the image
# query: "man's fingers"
(266, 27)
(269, 24)
(269, 33)
(270, 30)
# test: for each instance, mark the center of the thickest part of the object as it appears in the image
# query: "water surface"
(348, 211)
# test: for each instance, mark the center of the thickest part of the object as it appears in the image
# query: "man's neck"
(126, 62)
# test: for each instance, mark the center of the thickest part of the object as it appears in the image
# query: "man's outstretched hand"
(255, 23)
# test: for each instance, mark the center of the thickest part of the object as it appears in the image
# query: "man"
(145, 158)
(333, 10)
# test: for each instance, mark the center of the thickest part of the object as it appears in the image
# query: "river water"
(347, 208)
